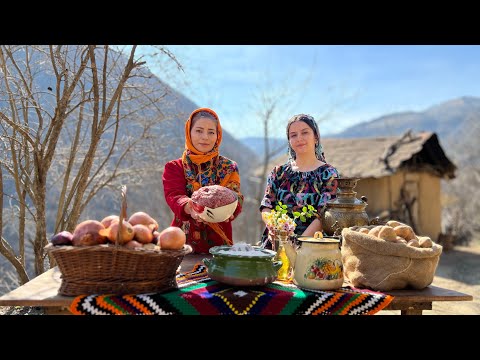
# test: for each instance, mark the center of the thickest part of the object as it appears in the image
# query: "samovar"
(345, 210)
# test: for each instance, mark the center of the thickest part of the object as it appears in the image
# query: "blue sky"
(340, 85)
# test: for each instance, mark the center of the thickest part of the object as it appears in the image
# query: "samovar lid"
(346, 196)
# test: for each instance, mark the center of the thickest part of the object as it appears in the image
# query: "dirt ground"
(458, 269)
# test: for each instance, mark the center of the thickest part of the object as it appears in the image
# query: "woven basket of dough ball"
(378, 258)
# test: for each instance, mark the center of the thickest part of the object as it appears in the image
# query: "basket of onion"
(118, 255)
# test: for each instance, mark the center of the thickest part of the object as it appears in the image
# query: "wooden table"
(42, 291)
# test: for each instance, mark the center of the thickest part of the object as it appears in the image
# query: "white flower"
(278, 221)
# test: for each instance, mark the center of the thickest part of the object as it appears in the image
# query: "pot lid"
(324, 240)
(242, 250)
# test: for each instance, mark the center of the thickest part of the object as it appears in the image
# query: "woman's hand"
(189, 210)
(315, 226)
(188, 207)
(196, 216)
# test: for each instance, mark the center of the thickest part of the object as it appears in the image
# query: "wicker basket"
(114, 269)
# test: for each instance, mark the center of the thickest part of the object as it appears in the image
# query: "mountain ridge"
(450, 120)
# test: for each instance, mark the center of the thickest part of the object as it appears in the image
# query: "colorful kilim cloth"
(197, 294)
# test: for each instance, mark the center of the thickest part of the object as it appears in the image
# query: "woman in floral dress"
(305, 179)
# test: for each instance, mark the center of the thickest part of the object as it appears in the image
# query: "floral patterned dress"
(297, 189)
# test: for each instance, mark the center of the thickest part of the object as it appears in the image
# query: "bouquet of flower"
(278, 220)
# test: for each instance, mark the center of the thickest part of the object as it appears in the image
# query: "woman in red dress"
(201, 165)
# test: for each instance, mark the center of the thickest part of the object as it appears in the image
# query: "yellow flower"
(279, 221)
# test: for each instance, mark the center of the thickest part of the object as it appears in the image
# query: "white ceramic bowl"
(219, 214)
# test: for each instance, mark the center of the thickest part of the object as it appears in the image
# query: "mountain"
(257, 144)
(445, 119)
(457, 125)
(152, 117)
(165, 112)
(456, 122)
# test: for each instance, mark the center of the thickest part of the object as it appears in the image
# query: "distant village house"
(400, 176)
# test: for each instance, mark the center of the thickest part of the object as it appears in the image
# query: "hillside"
(257, 144)
(456, 122)
(165, 140)
(152, 115)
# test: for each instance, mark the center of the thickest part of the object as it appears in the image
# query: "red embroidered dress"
(181, 177)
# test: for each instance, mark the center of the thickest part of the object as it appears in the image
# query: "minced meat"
(214, 196)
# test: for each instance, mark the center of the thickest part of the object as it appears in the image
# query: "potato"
(143, 234)
(62, 238)
(374, 231)
(133, 244)
(413, 243)
(405, 232)
(87, 233)
(425, 242)
(401, 240)
(394, 223)
(387, 233)
(172, 238)
(107, 221)
(126, 233)
(143, 218)
(156, 236)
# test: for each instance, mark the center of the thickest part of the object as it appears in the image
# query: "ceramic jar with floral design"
(318, 264)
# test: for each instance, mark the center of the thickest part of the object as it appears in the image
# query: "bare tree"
(61, 111)
(272, 104)
(460, 196)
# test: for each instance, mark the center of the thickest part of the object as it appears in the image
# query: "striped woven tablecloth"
(197, 294)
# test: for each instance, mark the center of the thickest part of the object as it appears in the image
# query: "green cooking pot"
(242, 268)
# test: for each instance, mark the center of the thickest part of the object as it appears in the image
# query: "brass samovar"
(345, 210)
